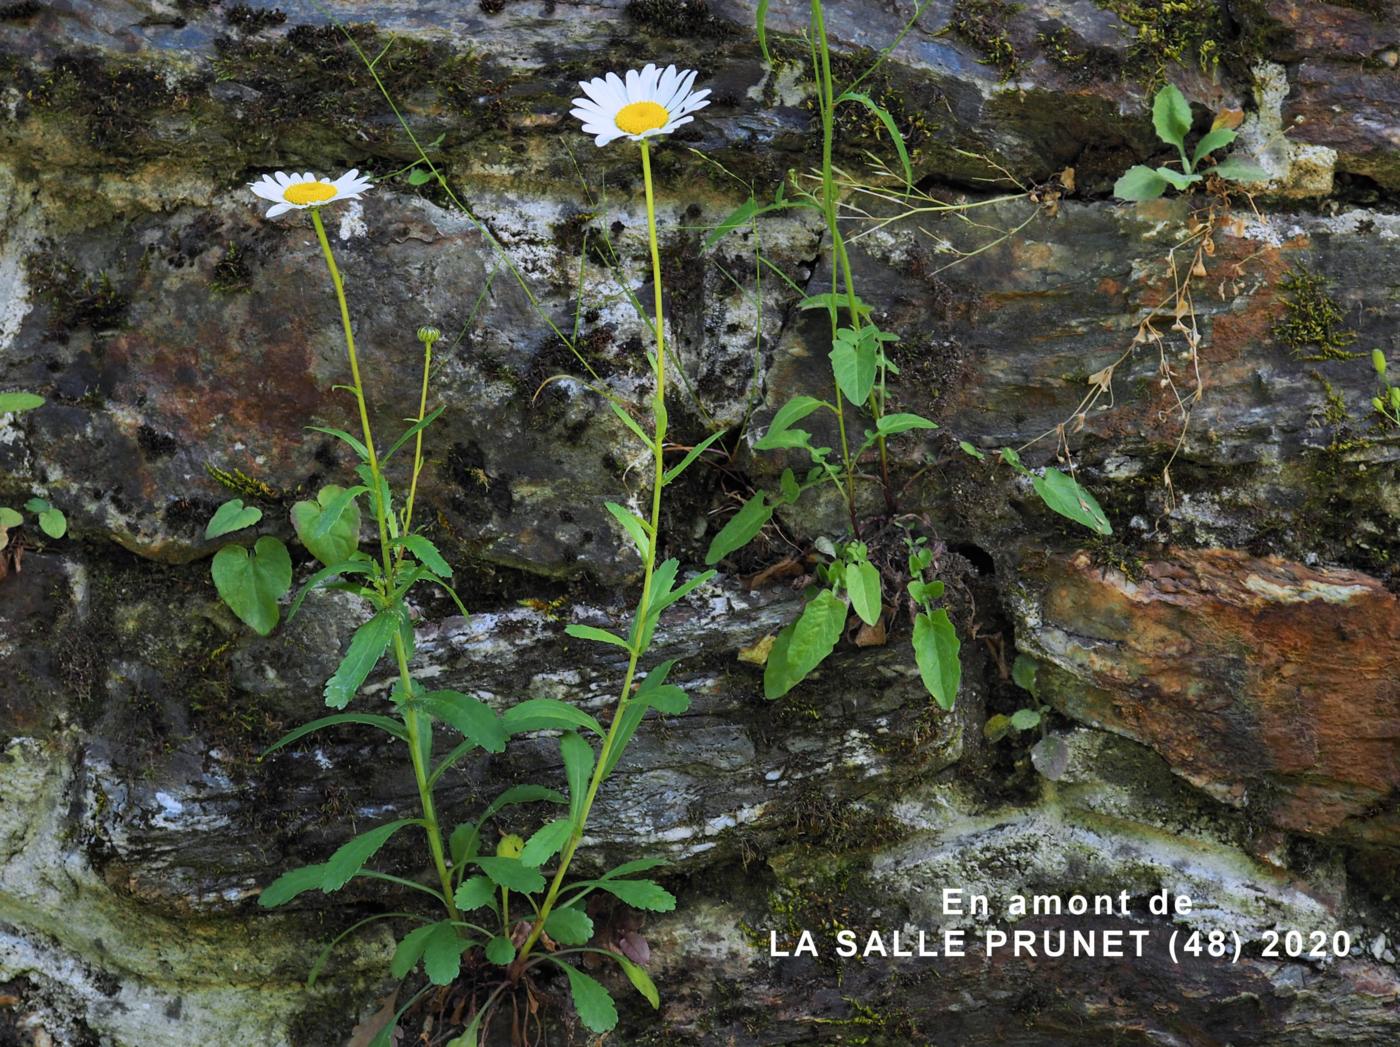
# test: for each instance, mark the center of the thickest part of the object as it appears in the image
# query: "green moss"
(1312, 325)
(678, 18)
(231, 274)
(241, 483)
(882, 1023)
(982, 24)
(76, 299)
(110, 102)
(314, 78)
(1174, 32)
(858, 131)
(1334, 407)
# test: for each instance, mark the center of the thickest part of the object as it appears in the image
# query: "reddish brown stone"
(1267, 683)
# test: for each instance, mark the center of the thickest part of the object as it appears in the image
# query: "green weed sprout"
(1387, 404)
(1171, 117)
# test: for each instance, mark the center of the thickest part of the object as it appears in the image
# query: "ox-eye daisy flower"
(649, 102)
(299, 191)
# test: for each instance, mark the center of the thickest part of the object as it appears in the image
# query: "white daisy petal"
(666, 85)
(276, 209)
(682, 91)
(641, 104)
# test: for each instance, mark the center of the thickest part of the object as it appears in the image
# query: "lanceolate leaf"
(290, 884)
(251, 583)
(1061, 493)
(640, 894)
(936, 652)
(634, 525)
(473, 718)
(635, 866)
(590, 632)
(547, 714)
(888, 121)
(804, 645)
(578, 767)
(426, 553)
(1171, 115)
(351, 857)
(741, 528)
(412, 431)
(741, 215)
(324, 575)
(694, 453)
(13, 403)
(384, 723)
(641, 981)
(863, 583)
(367, 646)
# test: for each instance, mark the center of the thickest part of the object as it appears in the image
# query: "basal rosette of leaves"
(1171, 118)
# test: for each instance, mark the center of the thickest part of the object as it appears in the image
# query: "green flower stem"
(828, 114)
(425, 793)
(658, 482)
(418, 440)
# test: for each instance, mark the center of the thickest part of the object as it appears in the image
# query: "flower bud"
(427, 334)
(1378, 361)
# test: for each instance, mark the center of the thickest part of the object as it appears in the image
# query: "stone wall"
(1222, 669)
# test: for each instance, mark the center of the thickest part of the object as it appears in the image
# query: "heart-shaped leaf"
(232, 516)
(853, 364)
(251, 582)
(330, 526)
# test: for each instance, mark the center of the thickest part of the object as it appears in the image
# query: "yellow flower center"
(308, 193)
(636, 117)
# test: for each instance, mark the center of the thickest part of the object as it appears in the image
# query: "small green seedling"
(1171, 116)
